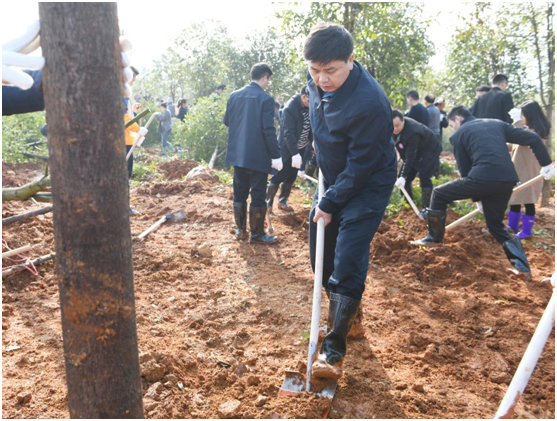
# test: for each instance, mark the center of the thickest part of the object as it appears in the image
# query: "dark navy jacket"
(480, 148)
(419, 113)
(291, 126)
(416, 145)
(19, 101)
(494, 104)
(352, 135)
(252, 137)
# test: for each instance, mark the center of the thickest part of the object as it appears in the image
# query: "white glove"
(126, 47)
(297, 161)
(548, 172)
(14, 53)
(143, 131)
(515, 114)
(301, 173)
(480, 206)
(277, 164)
(400, 182)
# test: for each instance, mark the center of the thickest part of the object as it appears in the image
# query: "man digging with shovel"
(352, 128)
(488, 177)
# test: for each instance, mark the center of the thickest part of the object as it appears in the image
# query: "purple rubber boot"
(527, 225)
(514, 220)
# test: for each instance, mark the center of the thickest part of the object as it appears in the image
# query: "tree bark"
(549, 109)
(83, 94)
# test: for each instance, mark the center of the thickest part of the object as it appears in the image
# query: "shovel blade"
(295, 383)
(176, 216)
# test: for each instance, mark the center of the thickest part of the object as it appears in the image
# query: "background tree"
(390, 39)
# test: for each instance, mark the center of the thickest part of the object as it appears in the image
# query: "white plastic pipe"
(16, 251)
(307, 177)
(317, 287)
(528, 362)
(477, 211)
(411, 203)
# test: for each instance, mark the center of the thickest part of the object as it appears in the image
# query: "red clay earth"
(220, 320)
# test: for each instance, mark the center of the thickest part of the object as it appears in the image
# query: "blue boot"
(527, 225)
(514, 221)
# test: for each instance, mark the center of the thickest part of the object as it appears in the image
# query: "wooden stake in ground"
(85, 115)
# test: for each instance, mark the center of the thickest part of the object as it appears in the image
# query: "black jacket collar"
(255, 85)
(468, 119)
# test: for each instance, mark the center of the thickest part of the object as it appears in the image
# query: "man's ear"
(351, 61)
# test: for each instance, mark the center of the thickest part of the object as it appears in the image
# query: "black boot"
(515, 254)
(426, 197)
(310, 169)
(271, 193)
(240, 216)
(285, 190)
(257, 226)
(342, 311)
(436, 228)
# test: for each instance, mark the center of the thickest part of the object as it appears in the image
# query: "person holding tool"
(352, 128)
(252, 150)
(294, 136)
(488, 177)
(419, 149)
(531, 116)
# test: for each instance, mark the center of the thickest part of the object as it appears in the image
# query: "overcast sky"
(152, 29)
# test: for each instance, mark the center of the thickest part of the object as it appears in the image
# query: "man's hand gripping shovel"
(294, 382)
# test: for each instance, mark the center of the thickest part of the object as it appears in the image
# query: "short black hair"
(221, 86)
(483, 88)
(430, 98)
(498, 78)
(260, 70)
(304, 91)
(328, 42)
(134, 70)
(163, 104)
(535, 118)
(413, 94)
(459, 110)
(398, 113)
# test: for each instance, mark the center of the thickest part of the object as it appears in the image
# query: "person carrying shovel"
(352, 128)
(488, 177)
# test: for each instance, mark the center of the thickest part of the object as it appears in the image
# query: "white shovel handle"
(411, 203)
(477, 211)
(139, 140)
(317, 287)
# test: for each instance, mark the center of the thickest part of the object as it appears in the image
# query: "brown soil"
(220, 320)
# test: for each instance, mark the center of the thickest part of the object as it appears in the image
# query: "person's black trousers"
(349, 235)
(287, 174)
(248, 182)
(494, 196)
(429, 162)
(130, 162)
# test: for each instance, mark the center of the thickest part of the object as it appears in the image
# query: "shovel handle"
(152, 227)
(317, 286)
(414, 207)
(139, 140)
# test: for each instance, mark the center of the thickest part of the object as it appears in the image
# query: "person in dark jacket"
(252, 150)
(19, 101)
(352, 128)
(496, 103)
(294, 136)
(419, 149)
(417, 111)
(444, 121)
(488, 177)
(434, 115)
(183, 109)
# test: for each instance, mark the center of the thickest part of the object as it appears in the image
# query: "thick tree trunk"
(85, 114)
(549, 109)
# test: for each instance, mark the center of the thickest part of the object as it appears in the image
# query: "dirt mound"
(16, 175)
(219, 320)
(177, 169)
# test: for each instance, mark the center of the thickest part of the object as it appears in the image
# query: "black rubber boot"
(342, 312)
(257, 226)
(310, 169)
(436, 228)
(271, 193)
(426, 197)
(240, 216)
(515, 254)
(285, 191)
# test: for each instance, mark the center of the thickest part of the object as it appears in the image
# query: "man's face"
(455, 124)
(330, 76)
(305, 101)
(265, 82)
(398, 125)
(410, 101)
(441, 106)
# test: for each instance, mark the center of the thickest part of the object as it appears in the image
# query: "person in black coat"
(417, 111)
(294, 136)
(419, 149)
(488, 177)
(252, 150)
(496, 103)
(352, 128)
(444, 121)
